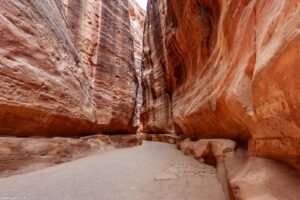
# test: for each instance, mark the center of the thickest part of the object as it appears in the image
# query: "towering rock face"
(45, 89)
(228, 69)
(156, 113)
(137, 19)
(100, 30)
(66, 68)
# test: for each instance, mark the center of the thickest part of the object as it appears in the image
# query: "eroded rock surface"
(137, 19)
(45, 89)
(66, 68)
(225, 69)
(156, 112)
(100, 30)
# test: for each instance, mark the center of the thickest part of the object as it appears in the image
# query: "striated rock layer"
(66, 68)
(225, 69)
(100, 30)
(137, 19)
(45, 89)
(156, 112)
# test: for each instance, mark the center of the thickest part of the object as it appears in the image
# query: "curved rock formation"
(225, 69)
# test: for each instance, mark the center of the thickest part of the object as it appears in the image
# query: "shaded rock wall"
(228, 69)
(137, 19)
(156, 113)
(100, 30)
(66, 68)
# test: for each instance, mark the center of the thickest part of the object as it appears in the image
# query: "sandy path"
(153, 171)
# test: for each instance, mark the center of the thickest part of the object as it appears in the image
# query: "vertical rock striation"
(66, 68)
(228, 69)
(156, 113)
(100, 30)
(45, 89)
(137, 19)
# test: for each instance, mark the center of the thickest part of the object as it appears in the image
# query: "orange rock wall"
(228, 69)
(66, 68)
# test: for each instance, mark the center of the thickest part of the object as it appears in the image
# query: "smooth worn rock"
(21, 155)
(225, 69)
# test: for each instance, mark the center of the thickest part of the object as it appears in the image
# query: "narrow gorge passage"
(215, 81)
(151, 171)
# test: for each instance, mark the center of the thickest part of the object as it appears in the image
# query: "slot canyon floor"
(147, 172)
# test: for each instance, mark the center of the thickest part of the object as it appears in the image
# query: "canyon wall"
(156, 113)
(225, 69)
(45, 89)
(66, 68)
(137, 19)
(100, 30)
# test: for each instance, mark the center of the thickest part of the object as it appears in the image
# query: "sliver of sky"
(143, 3)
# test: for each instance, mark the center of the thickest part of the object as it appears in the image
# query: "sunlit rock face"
(227, 69)
(100, 30)
(66, 68)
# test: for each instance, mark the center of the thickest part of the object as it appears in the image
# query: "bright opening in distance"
(143, 3)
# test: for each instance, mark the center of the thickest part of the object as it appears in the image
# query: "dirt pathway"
(153, 171)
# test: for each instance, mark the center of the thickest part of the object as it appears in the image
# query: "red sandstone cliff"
(66, 68)
(225, 69)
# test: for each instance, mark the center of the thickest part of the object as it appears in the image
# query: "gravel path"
(153, 171)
